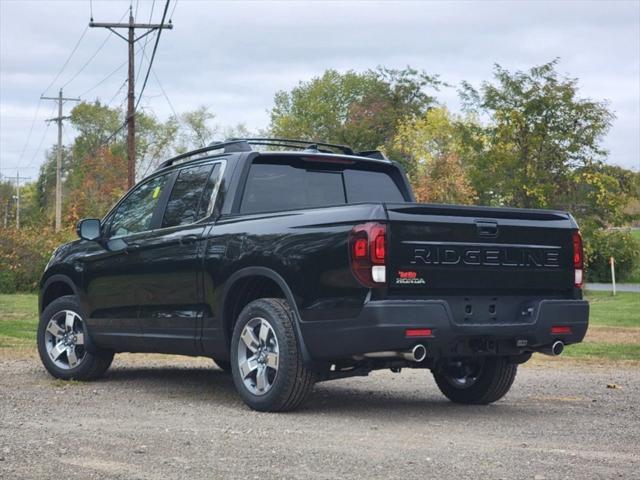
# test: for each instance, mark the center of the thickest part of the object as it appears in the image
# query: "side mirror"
(89, 229)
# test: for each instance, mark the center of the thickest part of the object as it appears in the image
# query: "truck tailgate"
(454, 249)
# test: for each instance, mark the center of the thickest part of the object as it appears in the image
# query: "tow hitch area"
(480, 345)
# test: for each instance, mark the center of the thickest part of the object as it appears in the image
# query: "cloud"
(233, 56)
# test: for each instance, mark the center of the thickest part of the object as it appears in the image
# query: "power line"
(104, 79)
(33, 159)
(153, 53)
(33, 122)
(44, 134)
(175, 4)
(92, 56)
(66, 62)
(146, 42)
(117, 92)
(131, 26)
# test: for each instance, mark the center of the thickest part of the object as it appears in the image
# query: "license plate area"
(493, 310)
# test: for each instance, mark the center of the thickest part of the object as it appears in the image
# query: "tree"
(434, 144)
(197, 130)
(540, 132)
(362, 110)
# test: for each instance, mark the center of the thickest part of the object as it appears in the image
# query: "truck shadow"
(214, 387)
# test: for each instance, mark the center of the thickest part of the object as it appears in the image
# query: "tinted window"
(283, 187)
(184, 202)
(370, 186)
(135, 212)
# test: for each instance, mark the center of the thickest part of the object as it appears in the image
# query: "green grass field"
(611, 319)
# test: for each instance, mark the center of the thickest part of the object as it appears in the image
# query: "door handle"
(188, 239)
(132, 247)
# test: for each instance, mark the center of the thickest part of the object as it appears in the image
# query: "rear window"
(367, 186)
(274, 187)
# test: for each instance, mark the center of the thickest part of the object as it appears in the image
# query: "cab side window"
(191, 195)
(134, 214)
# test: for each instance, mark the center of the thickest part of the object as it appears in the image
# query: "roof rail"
(301, 144)
(232, 145)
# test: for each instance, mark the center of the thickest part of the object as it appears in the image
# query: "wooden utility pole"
(60, 99)
(18, 179)
(131, 39)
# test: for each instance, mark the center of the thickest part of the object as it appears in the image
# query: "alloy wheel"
(64, 339)
(258, 356)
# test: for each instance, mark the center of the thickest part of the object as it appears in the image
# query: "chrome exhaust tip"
(555, 349)
(416, 354)
(419, 353)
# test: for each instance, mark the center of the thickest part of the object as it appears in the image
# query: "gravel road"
(157, 417)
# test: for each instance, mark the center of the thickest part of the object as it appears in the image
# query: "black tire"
(493, 381)
(293, 382)
(94, 363)
(224, 365)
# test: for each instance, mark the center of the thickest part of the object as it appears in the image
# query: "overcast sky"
(233, 56)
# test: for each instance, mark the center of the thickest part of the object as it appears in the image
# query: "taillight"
(368, 251)
(578, 260)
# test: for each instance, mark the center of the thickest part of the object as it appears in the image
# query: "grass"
(610, 351)
(623, 310)
(19, 317)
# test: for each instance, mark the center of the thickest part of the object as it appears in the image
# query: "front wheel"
(63, 340)
(476, 381)
(266, 363)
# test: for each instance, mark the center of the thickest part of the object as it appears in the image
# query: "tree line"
(522, 139)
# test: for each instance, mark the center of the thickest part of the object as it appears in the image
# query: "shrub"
(601, 245)
(24, 254)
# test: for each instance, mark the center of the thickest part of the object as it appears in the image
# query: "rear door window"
(190, 196)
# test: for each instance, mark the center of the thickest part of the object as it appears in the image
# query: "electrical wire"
(153, 53)
(44, 135)
(146, 41)
(92, 56)
(104, 79)
(117, 92)
(33, 122)
(66, 62)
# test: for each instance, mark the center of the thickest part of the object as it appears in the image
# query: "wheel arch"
(55, 286)
(238, 293)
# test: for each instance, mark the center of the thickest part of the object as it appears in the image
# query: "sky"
(233, 56)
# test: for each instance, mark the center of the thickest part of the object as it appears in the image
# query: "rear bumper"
(381, 326)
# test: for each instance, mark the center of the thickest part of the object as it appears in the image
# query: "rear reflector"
(560, 330)
(418, 332)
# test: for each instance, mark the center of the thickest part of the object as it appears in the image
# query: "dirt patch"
(613, 335)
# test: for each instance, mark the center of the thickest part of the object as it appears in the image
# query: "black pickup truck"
(311, 263)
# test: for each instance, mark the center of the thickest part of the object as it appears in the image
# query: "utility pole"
(131, 39)
(17, 197)
(60, 99)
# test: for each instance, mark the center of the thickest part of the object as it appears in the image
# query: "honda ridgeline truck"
(308, 264)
